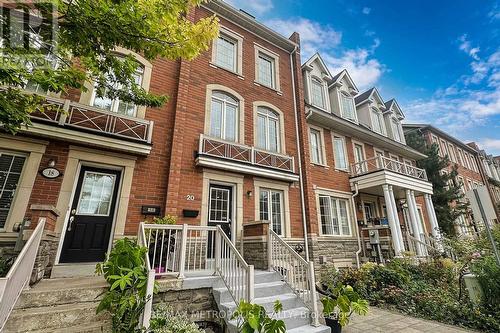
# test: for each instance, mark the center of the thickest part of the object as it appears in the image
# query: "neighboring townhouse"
(463, 157)
(360, 176)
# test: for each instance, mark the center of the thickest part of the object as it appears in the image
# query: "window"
(444, 150)
(451, 151)
(380, 158)
(115, 105)
(334, 216)
(224, 116)
(339, 153)
(359, 156)
(266, 70)
(316, 148)
(271, 209)
(377, 121)
(95, 197)
(369, 209)
(396, 130)
(11, 167)
(436, 142)
(317, 93)
(460, 157)
(347, 107)
(268, 129)
(226, 51)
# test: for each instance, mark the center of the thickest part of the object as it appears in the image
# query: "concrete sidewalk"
(379, 320)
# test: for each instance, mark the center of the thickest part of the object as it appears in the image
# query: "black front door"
(220, 211)
(91, 216)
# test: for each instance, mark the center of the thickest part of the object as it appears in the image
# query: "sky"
(440, 59)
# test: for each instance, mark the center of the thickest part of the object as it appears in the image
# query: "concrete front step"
(62, 291)
(222, 295)
(289, 301)
(293, 318)
(310, 329)
(50, 318)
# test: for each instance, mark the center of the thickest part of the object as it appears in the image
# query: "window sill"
(240, 76)
(326, 166)
(342, 170)
(258, 84)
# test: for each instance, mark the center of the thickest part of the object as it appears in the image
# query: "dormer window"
(396, 130)
(317, 93)
(377, 121)
(347, 107)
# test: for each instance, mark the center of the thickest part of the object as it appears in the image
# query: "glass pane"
(335, 217)
(230, 134)
(96, 194)
(103, 103)
(261, 132)
(219, 205)
(266, 71)
(325, 215)
(273, 135)
(264, 205)
(315, 153)
(340, 157)
(10, 172)
(216, 119)
(344, 221)
(318, 97)
(276, 212)
(348, 110)
(226, 53)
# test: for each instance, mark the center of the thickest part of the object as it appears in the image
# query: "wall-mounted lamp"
(51, 163)
(249, 194)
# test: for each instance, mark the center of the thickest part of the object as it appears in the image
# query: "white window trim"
(341, 94)
(239, 52)
(380, 118)
(350, 214)
(240, 138)
(354, 143)
(278, 186)
(276, 73)
(322, 148)
(344, 141)
(451, 152)
(444, 148)
(310, 78)
(281, 139)
(399, 128)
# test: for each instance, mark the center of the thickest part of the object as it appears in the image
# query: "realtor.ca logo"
(28, 32)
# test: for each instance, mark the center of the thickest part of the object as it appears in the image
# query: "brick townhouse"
(360, 176)
(463, 157)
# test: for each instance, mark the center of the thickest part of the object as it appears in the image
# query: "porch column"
(396, 218)
(433, 220)
(412, 209)
(392, 221)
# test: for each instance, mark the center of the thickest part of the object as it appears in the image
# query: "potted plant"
(339, 307)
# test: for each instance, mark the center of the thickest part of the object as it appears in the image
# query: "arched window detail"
(224, 116)
(268, 129)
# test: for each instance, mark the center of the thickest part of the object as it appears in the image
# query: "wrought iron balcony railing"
(245, 154)
(385, 163)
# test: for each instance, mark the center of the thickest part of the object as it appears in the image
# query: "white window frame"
(376, 152)
(321, 148)
(444, 148)
(363, 150)
(451, 152)
(19, 182)
(238, 39)
(270, 114)
(396, 128)
(270, 208)
(223, 118)
(336, 196)
(342, 95)
(263, 52)
(460, 156)
(344, 147)
(377, 117)
(324, 93)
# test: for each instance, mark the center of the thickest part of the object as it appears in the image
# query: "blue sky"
(440, 59)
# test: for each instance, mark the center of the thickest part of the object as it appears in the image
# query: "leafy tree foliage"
(83, 48)
(448, 199)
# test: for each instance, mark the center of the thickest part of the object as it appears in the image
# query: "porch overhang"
(229, 165)
(372, 182)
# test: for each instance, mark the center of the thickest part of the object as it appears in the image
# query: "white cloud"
(466, 46)
(366, 10)
(315, 37)
(490, 145)
(494, 13)
(258, 7)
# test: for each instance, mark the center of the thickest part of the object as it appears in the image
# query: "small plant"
(343, 303)
(165, 320)
(253, 318)
(126, 273)
(5, 264)
(169, 219)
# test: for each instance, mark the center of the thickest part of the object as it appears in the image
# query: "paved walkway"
(379, 320)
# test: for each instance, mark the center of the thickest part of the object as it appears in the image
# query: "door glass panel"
(10, 173)
(219, 205)
(96, 194)
(264, 205)
(276, 212)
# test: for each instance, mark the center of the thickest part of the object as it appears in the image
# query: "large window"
(266, 70)
(377, 121)
(334, 216)
(224, 116)
(226, 50)
(11, 167)
(347, 107)
(396, 130)
(268, 129)
(115, 105)
(316, 149)
(271, 209)
(339, 152)
(318, 93)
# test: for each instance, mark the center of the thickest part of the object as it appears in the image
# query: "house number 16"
(190, 197)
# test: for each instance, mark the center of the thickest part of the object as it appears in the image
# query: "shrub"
(165, 320)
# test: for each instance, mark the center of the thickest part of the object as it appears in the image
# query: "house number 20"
(190, 197)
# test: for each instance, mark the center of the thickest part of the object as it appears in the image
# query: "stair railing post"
(218, 250)
(182, 256)
(250, 284)
(146, 315)
(269, 250)
(314, 298)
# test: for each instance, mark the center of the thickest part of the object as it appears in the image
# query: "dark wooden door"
(91, 216)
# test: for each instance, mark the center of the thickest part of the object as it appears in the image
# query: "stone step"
(310, 329)
(264, 276)
(289, 301)
(52, 292)
(49, 318)
(293, 318)
(266, 289)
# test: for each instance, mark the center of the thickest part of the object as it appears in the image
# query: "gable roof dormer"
(393, 106)
(371, 95)
(344, 76)
(316, 59)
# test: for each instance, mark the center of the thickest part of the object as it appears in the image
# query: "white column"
(420, 224)
(392, 222)
(433, 220)
(414, 221)
(396, 217)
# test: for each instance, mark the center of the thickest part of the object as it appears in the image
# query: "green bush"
(165, 320)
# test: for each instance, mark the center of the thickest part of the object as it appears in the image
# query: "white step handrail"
(148, 307)
(19, 274)
(297, 272)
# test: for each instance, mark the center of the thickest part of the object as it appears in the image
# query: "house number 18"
(190, 197)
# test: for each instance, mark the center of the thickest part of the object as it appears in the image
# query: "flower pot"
(333, 324)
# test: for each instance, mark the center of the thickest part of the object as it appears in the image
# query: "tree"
(83, 48)
(448, 198)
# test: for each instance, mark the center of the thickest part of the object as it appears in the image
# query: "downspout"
(299, 156)
(355, 194)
